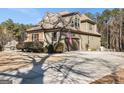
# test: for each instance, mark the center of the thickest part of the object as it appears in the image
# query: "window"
(54, 36)
(78, 22)
(72, 23)
(75, 23)
(35, 37)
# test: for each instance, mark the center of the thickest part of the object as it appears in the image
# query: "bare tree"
(4, 37)
(110, 24)
(55, 23)
(115, 33)
(120, 32)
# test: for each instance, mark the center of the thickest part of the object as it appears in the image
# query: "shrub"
(45, 49)
(93, 49)
(38, 47)
(75, 45)
(58, 48)
(1, 48)
(20, 46)
(33, 46)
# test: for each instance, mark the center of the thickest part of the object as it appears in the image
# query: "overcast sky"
(34, 15)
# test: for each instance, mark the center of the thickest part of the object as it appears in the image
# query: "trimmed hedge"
(31, 46)
(38, 47)
(20, 46)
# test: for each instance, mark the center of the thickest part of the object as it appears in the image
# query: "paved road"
(72, 67)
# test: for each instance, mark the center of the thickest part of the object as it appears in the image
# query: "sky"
(34, 15)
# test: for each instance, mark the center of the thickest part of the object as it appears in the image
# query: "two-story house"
(82, 36)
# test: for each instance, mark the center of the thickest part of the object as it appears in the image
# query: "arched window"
(75, 22)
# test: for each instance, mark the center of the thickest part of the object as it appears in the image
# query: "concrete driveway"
(76, 67)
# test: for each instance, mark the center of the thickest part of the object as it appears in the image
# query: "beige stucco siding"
(41, 36)
(95, 28)
(84, 41)
(29, 36)
(92, 41)
(83, 26)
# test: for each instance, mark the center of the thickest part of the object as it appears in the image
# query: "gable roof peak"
(64, 12)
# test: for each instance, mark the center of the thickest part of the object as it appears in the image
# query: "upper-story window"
(78, 22)
(35, 37)
(72, 23)
(75, 23)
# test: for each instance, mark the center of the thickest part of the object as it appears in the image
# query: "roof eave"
(89, 21)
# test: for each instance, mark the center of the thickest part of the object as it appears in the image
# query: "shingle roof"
(65, 30)
(34, 28)
(84, 18)
(69, 14)
(86, 33)
(64, 13)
